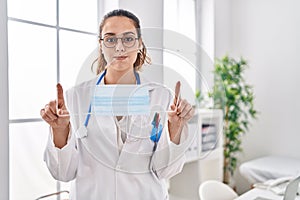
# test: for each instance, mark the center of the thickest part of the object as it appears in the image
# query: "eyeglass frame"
(117, 38)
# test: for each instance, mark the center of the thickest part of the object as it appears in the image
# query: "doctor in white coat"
(104, 155)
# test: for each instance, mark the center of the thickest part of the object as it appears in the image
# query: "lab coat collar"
(143, 80)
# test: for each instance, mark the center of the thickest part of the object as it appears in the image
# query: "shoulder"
(82, 91)
(79, 96)
(159, 93)
(83, 86)
(155, 87)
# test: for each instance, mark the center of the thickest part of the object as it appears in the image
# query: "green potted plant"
(235, 97)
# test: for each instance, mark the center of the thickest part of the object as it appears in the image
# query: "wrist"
(61, 128)
(175, 131)
(60, 136)
(175, 125)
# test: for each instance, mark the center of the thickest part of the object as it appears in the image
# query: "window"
(48, 41)
(179, 56)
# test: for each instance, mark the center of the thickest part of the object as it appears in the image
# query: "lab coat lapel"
(101, 141)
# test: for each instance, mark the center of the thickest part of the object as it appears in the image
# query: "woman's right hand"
(57, 116)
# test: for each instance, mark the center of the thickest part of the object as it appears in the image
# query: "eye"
(111, 39)
(128, 39)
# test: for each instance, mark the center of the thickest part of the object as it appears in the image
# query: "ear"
(100, 48)
(140, 44)
(100, 42)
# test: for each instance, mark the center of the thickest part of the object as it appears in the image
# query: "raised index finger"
(177, 93)
(60, 96)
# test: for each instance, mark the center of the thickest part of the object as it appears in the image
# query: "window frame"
(4, 114)
(5, 121)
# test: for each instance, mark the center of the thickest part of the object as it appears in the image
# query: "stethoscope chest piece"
(81, 132)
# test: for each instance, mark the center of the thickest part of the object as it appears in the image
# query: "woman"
(104, 154)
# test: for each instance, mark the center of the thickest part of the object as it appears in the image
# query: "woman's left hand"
(181, 112)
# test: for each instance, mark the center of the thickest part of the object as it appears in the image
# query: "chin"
(120, 68)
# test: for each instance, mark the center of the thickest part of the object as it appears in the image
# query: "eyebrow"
(126, 33)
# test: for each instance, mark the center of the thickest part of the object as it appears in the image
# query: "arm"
(61, 154)
(62, 162)
(170, 156)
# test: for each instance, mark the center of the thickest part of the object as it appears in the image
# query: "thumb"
(173, 107)
(60, 97)
(63, 113)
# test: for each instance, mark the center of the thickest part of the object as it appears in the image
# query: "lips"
(120, 57)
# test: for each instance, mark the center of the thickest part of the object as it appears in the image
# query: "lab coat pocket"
(140, 143)
(142, 136)
(140, 127)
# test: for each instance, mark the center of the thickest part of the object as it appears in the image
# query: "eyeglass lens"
(111, 41)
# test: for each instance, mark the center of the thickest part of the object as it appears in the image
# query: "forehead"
(118, 25)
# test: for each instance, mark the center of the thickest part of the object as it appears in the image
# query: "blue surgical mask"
(121, 100)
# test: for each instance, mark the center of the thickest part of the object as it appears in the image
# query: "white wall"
(206, 37)
(222, 30)
(267, 34)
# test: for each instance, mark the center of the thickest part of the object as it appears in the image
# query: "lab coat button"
(118, 167)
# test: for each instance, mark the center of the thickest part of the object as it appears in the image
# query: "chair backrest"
(292, 189)
(216, 190)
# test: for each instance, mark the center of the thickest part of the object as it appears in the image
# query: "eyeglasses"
(111, 41)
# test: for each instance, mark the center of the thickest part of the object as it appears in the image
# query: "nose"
(119, 45)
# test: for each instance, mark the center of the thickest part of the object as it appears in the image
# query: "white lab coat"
(102, 165)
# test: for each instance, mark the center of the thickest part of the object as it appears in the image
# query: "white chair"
(216, 190)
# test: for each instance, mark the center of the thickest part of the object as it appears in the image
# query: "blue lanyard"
(138, 81)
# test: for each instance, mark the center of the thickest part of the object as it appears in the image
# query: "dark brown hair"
(142, 56)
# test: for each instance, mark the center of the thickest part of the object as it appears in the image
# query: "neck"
(119, 77)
